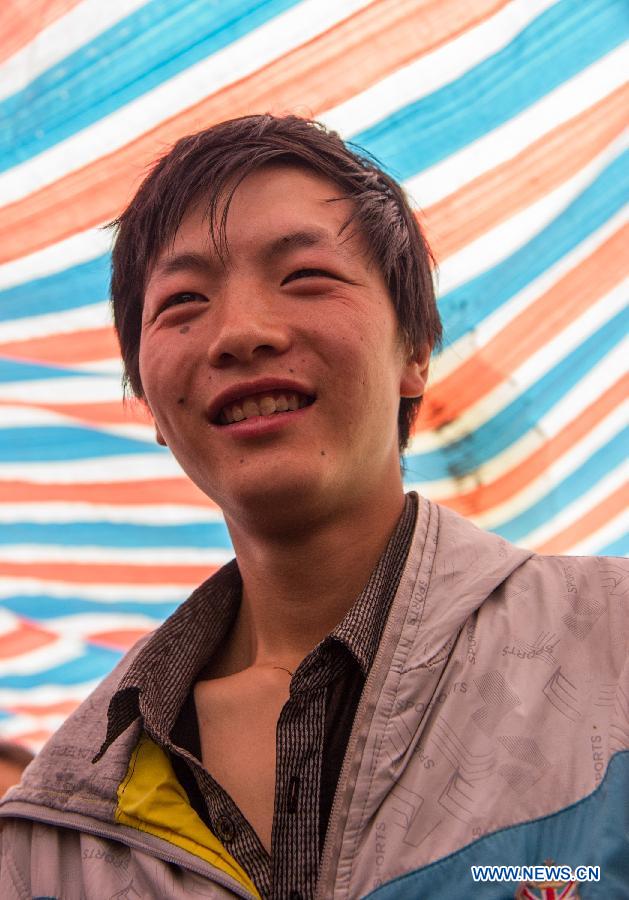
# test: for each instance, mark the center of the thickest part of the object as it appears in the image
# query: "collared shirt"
(312, 731)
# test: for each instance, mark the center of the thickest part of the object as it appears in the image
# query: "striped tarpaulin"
(504, 120)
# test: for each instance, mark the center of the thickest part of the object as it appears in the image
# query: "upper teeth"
(261, 405)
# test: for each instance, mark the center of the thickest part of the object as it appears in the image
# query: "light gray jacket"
(493, 729)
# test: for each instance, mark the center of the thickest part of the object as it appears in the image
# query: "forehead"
(271, 204)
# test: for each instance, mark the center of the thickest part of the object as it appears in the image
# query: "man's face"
(298, 316)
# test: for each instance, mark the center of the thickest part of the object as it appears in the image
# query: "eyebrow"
(295, 240)
(277, 247)
(183, 262)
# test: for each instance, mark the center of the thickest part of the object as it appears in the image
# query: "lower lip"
(258, 426)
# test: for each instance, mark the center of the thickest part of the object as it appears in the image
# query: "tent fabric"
(503, 120)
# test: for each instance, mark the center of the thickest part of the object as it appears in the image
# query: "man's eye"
(181, 298)
(307, 273)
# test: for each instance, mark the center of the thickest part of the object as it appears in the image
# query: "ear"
(159, 437)
(415, 374)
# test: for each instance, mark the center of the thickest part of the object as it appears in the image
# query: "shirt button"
(295, 895)
(225, 828)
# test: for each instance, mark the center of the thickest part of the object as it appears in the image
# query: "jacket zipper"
(353, 739)
(347, 762)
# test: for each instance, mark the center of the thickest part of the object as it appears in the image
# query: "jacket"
(493, 729)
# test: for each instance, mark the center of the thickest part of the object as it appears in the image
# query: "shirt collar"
(361, 628)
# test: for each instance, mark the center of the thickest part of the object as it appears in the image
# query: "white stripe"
(56, 257)
(110, 366)
(538, 364)
(105, 593)
(45, 695)
(578, 508)
(505, 238)
(82, 625)
(25, 416)
(560, 468)
(456, 353)
(61, 38)
(433, 70)
(61, 651)
(9, 622)
(18, 725)
(597, 380)
(21, 417)
(121, 556)
(135, 467)
(96, 315)
(243, 57)
(72, 388)
(610, 533)
(570, 99)
(158, 514)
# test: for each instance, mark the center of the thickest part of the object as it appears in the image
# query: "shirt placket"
(300, 731)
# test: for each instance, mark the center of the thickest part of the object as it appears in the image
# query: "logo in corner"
(547, 890)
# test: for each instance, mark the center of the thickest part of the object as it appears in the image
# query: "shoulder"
(569, 613)
(581, 589)
(63, 771)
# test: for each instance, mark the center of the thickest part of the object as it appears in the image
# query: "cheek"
(165, 370)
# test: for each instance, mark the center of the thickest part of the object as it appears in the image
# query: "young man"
(373, 685)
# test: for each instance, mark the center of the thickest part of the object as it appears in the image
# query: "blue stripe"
(147, 48)
(12, 370)
(462, 457)
(96, 662)
(41, 607)
(199, 535)
(596, 467)
(553, 48)
(70, 288)
(60, 443)
(463, 308)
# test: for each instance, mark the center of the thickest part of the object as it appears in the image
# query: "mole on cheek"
(181, 401)
(323, 453)
(184, 329)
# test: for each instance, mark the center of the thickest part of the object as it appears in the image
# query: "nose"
(247, 328)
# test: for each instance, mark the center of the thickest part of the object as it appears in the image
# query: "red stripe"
(121, 639)
(22, 20)
(72, 348)
(88, 573)
(24, 640)
(153, 491)
(62, 708)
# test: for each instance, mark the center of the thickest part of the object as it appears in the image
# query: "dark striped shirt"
(312, 731)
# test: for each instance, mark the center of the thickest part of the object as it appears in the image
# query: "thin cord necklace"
(283, 669)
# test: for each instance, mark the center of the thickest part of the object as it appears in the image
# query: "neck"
(297, 588)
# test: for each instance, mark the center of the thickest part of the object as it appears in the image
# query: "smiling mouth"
(266, 403)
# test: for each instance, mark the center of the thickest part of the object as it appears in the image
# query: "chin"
(278, 502)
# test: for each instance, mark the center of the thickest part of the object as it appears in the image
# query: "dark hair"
(15, 754)
(211, 165)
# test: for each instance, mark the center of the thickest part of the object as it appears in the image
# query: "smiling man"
(373, 684)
